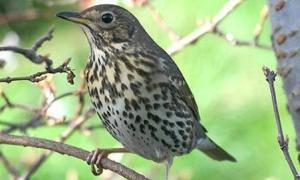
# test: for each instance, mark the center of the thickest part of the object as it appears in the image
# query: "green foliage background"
(226, 80)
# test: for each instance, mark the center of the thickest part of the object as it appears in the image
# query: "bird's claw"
(94, 159)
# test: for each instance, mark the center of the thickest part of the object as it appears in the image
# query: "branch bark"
(68, 150)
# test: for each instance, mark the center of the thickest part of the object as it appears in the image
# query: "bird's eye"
(107, 18)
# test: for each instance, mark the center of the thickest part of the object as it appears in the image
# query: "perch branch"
(75, 124)
(282, 141)
(68, 150)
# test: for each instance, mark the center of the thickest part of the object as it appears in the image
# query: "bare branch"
(8, 166)
(92, 127)
(34, 57)
(262, 20)
(205, 28)
(236, 42)
(257, 32)
(47, 37)
(31, 54)
(68, 150)
(75, 124)
(23, 127)
(39, 76)
(283, 142)
(161, 22)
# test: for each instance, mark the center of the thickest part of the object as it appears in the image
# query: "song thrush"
(138, 91)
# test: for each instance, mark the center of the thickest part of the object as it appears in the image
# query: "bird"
(138, 91)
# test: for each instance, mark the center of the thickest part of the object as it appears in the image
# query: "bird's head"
(105, 24)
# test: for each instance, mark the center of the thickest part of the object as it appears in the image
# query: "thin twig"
(205, 28)
(262, 20)
(58, 98)
(69, 150)
(75, 124)
(47, 37)
(10, 104)
(92, 127)
(23, 127)
(9, 166)
(41, 119)
(39, 76)
(31, 54)
(282, 141)
(257, 32)
(161, 22)
(36, 121)
(237, 42)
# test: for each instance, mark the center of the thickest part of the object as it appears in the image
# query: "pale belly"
(147, 118)
(147, 124)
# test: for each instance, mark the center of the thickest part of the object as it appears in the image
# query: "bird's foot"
(95, 157)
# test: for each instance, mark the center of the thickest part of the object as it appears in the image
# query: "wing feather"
(177, 80)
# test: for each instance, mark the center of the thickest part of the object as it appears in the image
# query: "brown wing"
(177, 79)
(165, 65)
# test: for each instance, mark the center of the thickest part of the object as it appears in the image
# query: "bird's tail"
(214, 151)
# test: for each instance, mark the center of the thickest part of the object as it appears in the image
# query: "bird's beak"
(73, 16)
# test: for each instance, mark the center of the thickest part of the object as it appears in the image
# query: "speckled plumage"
(138, 91)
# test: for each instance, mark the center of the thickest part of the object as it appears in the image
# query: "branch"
(39, 76)
(22, 127)
(205, 28)
(69, 150)
(9, 166)
(257, 32)
(74, 125)
(283, 142)
(161, 22)
(262, 20)
(31, 54)
(41, 111)
(47, 37)
(236, 42)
